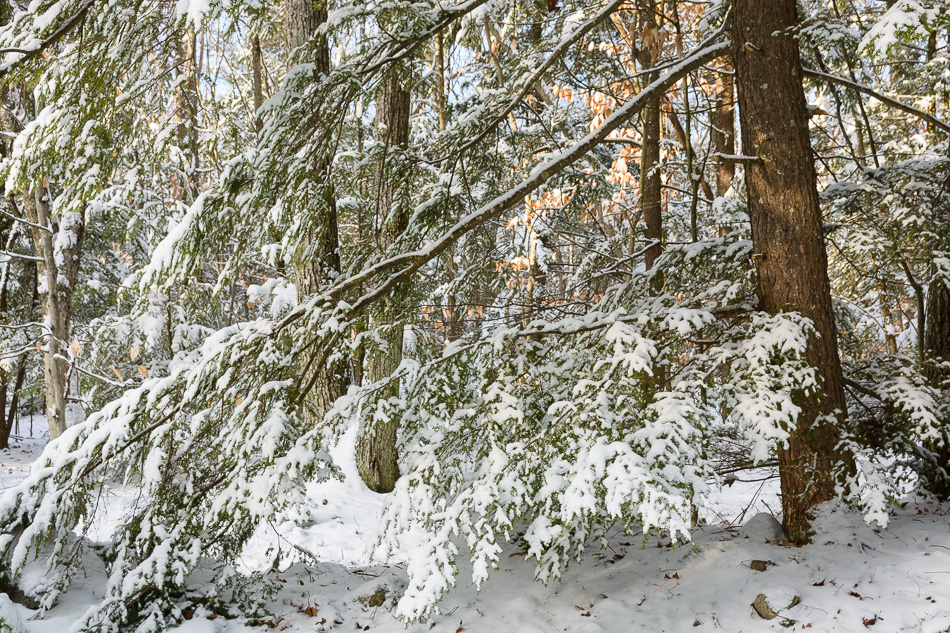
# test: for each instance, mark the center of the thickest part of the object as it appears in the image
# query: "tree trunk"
(936, 341)
(376, 451)
(788, 241)
(58, 246)
(257, 79)
(722, 120)
(302, 18)
(186, 110)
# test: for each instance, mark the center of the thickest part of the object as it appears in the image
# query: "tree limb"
(929, 118)
(57, 35)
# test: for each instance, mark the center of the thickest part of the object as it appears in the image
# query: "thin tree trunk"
(302, 18)
(257, 63)
(788, 241)
(58, 246)
(722, 119)
(186, 107)
(376, 450)
(936, 345)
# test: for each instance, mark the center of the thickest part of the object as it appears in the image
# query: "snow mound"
(10, 621)
(384, 591)
(763, 527)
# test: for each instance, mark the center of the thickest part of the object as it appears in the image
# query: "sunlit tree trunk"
(788, 241)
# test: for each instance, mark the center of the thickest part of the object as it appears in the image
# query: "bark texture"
(321, 262)
(376, 449)
(788, 240)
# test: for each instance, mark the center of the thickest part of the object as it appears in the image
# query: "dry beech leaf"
(134, 353)
(143, 370)
(118, 373)
(75, 346)
(239, 399)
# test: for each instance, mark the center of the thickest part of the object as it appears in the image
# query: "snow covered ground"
(854, 578)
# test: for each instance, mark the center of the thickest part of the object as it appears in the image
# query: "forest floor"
(854, 578)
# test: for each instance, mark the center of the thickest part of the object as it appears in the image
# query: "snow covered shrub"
(211, 451)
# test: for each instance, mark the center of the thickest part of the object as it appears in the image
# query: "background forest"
(564, 266)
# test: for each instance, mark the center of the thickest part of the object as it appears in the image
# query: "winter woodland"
(540, 279)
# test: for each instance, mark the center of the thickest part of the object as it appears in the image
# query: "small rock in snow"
(384, 591)
(774, 600)
(763, 527)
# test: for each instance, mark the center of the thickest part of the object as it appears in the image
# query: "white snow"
(853, 578)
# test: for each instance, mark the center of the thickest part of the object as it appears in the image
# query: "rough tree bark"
(302, 18)
(376, 451)
(788, 241)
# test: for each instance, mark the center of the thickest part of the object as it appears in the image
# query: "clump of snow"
(763, 527)
(10, 621)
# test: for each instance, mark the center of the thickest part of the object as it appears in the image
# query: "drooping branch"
(58, 34)
(929, 118)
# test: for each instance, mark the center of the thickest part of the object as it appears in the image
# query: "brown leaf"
(854, 594)
(820, 583)
(513, 554)
(118, 373)
(460, 629)
(869, 621)
(310, 611)
(239, 399)
(134, 353)
(75, 346)
(143, 370)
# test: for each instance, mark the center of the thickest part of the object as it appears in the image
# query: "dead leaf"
(310, 611)
(118, 373)
(143, 370)
(513, 554)
(820, 583)
(75, 346)
(869, 621)
(239, 399)
(854, 594)
(134, 353)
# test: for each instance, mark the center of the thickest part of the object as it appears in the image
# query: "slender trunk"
(787, 238)
(650, 185)
(58, 245)
(376, 450)
(936, 345)
(722, 119)
(302, 18)
(186, 107)
(257, 79)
